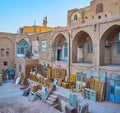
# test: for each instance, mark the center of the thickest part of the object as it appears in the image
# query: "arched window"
(22, 47)
(75, 17)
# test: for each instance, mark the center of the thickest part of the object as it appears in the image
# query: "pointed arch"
(110, 46)
(60, 47)
(22, 43)
(22, 47)
(82, 48)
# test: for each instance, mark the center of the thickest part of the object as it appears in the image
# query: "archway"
(110, 46)
(82, 48)
(60, 47)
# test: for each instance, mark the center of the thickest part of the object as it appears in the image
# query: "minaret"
(34, 26)
(45, 22)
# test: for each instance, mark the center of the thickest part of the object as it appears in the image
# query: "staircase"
(52, 99)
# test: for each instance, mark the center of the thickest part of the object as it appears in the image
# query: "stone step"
(51, 99)
(49, 102)
(53, 96)
(54, 92)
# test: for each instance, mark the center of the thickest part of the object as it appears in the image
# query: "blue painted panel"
(73, 99)
(117, 99)
(112, 97)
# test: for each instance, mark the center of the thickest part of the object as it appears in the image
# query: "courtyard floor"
(12, 101)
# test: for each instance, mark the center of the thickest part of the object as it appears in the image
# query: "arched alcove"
(60, 47)
(82, 48)
(110, 46)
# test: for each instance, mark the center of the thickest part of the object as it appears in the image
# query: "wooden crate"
(34, 78)
(65, 85)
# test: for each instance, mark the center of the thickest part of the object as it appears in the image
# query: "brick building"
(7, 50)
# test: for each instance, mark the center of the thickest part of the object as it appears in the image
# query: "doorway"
(59, 54)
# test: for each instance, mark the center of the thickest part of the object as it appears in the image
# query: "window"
(66, 50)
(19, 68)
(7, 53)
(99, 8)
(80, 77)
(2, 52)
(22, 47)
(90, 47)
(44, 45)
(22, 50)
(118, 48)
(59, 54)
(118, 36)
(5, 63)
(116, 40)
(75, 17)
(35, 47)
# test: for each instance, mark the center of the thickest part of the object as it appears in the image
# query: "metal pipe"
(69, 35)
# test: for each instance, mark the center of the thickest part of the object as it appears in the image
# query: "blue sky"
(19, 13)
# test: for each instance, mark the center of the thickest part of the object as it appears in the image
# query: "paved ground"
(12, 101)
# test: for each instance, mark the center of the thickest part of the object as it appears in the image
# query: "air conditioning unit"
(78, 84)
